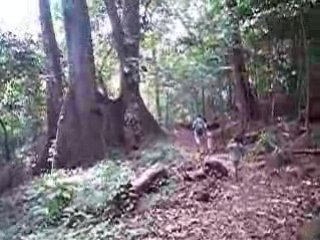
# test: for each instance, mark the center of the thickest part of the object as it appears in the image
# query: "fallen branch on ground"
(312, 151)
(194, 175)
(143, 182)
(127, 199)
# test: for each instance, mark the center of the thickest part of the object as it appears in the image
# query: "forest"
(98, 111)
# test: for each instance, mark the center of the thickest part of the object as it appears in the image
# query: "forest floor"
(265, 203)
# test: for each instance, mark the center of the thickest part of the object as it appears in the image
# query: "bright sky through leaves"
(22, 16)
(19, 16)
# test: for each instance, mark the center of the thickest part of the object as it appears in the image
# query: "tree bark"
(246, 98)
(5, 141)
(307, 71)
(158, 105)
(230, 93)
(203, 101)
(126, 35)
(54, 76)
(167, 108)
(156, 85)
(80, 139)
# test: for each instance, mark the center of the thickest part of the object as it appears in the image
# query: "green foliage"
(197, 54)
(65, 192)
(67, 200)
(105, 182)
(21, 91)
(18, 57)
(267, 142)
(56, 194)
(80, 204)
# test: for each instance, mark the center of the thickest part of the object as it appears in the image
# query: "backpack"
(199, 126)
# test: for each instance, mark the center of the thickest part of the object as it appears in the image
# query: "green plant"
(103, 182)
(267, 140)
(57, 194)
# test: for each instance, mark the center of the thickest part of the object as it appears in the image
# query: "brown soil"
(264, 204)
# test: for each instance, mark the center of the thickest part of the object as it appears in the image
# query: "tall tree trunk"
(156, 84)
(203, 101)
(307, 71)
(54, 76)
(126, 34)
(230, 92)
(245, 96)
(300, 67)
(158, 105)
(80, 138)
(167, 108)
(5, 141)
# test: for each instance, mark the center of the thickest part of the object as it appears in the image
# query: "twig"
(313, 151)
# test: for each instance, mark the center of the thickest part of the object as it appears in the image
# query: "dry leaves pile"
(260, 206)
(264, 204)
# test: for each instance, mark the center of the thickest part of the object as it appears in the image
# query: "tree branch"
(104, 59)
(117, 29)
(99, 73)
(146, 7)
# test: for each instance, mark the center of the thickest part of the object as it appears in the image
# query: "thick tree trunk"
(54, 76)
(243, 89)
(126, 34)
(130, 77)
(113, 124)
(80, 139)
(245, 96)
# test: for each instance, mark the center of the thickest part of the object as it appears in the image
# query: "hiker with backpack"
(199, 127)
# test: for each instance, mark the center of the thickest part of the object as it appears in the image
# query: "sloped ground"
(262, 205)
(257, 208)
(90, 204)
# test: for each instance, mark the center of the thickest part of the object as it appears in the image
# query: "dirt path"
(260, 206)
(184, 139)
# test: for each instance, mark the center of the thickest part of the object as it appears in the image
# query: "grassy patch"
(68, 199)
